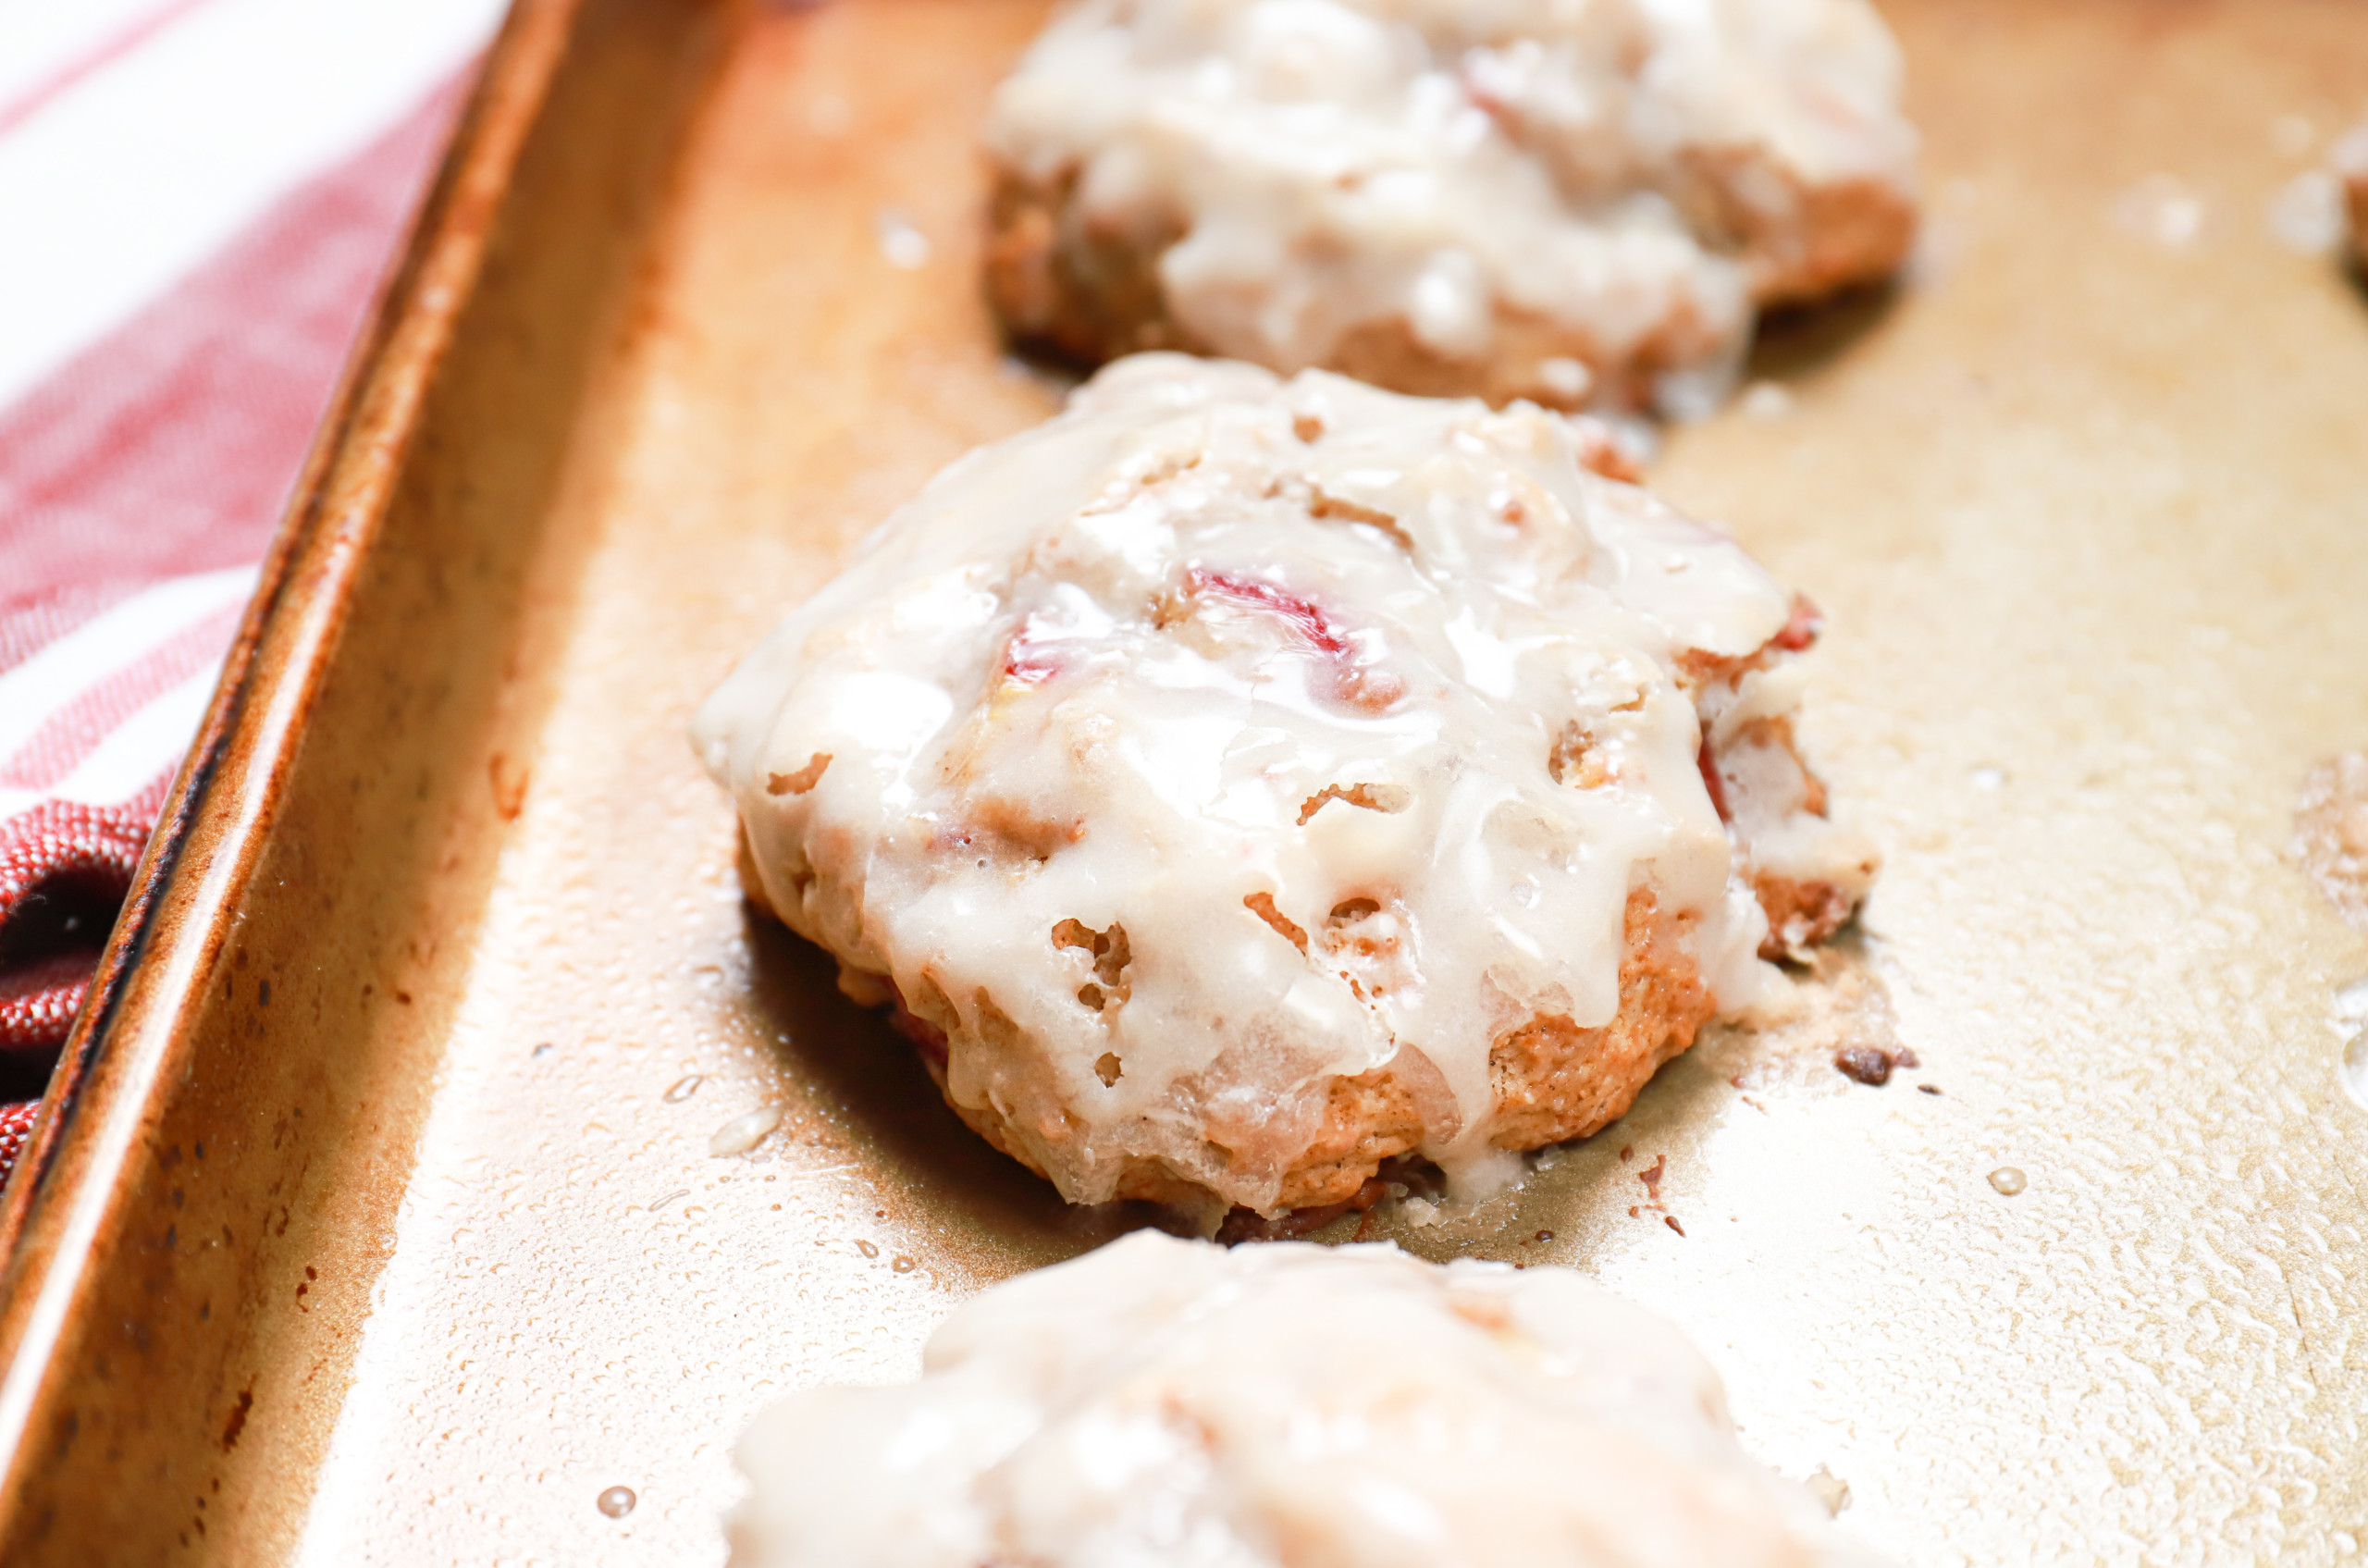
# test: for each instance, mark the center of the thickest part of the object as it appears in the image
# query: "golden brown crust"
(1554, 1081)
(1858, 231)
(1075, 288)
(1801, 912)
(1818, 239)
(1367, 1120)
(1065, 285)
(1143, 1180)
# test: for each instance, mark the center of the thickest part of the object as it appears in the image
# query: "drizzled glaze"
(1165, 1401)
(1633, 174)
(1268, 689)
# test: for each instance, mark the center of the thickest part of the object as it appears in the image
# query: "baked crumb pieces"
(1864, 1064)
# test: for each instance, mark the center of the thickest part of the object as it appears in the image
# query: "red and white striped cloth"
(197, 198)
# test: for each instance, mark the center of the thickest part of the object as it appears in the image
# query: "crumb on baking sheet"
(1830, 1020)
(1865, 1062)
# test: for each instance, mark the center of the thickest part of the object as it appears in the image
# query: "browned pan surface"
(2087, 503)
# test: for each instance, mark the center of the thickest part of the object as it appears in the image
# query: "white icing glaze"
(1145, 666)
(1332, 163)
(1167, 1402)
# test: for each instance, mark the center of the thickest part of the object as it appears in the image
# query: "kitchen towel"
(197, 201)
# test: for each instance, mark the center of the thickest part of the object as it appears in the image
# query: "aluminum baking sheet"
(2086, 501)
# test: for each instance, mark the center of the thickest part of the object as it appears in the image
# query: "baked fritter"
(1279, 1407)
(1235, 784)
(1579, 206)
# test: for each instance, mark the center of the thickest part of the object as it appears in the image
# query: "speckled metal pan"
(373, 1219)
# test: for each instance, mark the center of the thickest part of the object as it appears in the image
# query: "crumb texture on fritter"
(1573, 204)
(1236, 783)
(1167, 1402)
